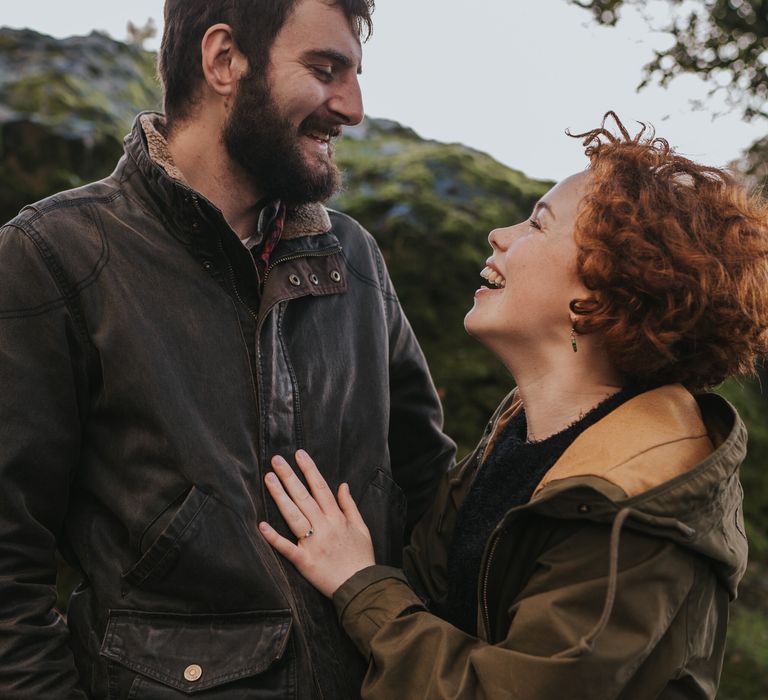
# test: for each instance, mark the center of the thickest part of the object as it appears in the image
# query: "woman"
(590, 544)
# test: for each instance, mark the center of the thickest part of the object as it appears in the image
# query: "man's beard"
(265, 145)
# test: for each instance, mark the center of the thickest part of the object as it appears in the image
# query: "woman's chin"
(472, 324)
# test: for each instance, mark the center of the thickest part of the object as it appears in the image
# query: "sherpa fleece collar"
(304, 220)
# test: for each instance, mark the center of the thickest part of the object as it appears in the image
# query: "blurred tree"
(723, 41)
(137, 35)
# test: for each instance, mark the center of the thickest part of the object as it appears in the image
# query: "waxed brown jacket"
(147, 375)
(612, 582)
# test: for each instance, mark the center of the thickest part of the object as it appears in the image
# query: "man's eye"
(323, 71)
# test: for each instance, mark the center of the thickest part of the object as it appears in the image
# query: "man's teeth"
(493, 277)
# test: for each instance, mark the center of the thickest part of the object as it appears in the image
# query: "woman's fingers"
(297, 521)
(296, 489)
(317, 484)
(349, 507)
(289, 550)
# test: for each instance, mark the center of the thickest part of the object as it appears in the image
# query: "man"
(162, 334)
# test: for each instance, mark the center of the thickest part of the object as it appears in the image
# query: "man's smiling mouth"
(319, 136)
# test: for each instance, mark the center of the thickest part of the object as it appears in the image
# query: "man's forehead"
(317, 26)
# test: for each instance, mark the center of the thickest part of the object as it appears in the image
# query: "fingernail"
(263, 527)
(271, 478)
(302, 454)
(277, 459)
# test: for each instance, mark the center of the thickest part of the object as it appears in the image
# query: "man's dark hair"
(255, 24)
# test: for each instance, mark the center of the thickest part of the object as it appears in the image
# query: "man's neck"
(200, 155)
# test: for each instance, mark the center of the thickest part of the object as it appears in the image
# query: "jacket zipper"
(259, 322)
(230, 269)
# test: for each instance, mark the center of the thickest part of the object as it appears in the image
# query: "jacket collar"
(148, 147)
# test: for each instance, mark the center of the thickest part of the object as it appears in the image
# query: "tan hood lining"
(652, 438)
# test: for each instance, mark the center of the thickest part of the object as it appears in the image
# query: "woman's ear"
(579, 312)
(222, 62)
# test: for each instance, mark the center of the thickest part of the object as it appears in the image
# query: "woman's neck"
(558, 388)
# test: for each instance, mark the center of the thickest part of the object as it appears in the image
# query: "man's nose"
(347, 102)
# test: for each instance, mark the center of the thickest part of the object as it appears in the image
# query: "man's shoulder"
(355, 239)
(54, 211)
(65, 231)
(344, 225)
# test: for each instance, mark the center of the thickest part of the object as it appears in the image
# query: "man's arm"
(40, 428)
(419, 450)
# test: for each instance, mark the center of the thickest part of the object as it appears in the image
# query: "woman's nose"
(499, 238)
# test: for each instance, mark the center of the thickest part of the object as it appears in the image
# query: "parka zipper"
(484, 588)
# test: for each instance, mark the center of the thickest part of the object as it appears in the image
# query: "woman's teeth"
(493, 277)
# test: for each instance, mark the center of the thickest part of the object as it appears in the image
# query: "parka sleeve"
(39, 447)
(549, 650)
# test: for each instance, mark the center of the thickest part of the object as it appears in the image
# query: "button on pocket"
(193, 673)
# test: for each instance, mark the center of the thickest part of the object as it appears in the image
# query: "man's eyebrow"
(337, 57)
(543, 205)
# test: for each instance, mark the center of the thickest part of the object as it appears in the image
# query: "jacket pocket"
(164, 655)
(161, 554)
(209, 557)
(383, 507)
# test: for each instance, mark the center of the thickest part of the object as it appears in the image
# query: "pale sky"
(503, 76)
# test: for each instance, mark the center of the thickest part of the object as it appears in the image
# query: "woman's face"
(532, 275)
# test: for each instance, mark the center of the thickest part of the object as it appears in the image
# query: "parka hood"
(668, 462)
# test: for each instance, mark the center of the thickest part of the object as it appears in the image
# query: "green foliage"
(726, 39)
(744, 671)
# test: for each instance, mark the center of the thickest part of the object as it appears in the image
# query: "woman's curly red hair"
(676, 254)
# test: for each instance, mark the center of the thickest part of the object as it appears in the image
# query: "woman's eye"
(534, 223)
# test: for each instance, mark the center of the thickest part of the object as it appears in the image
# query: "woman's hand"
(333, 540)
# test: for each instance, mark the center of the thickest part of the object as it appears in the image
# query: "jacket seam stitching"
(40, 212)
(367, 280)
(68, 293)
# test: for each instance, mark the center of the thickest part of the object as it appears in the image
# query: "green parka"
(613, 581)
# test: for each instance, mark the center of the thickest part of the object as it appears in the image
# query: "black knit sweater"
(506, 479)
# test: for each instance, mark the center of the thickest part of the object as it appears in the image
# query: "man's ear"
(223, 63)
